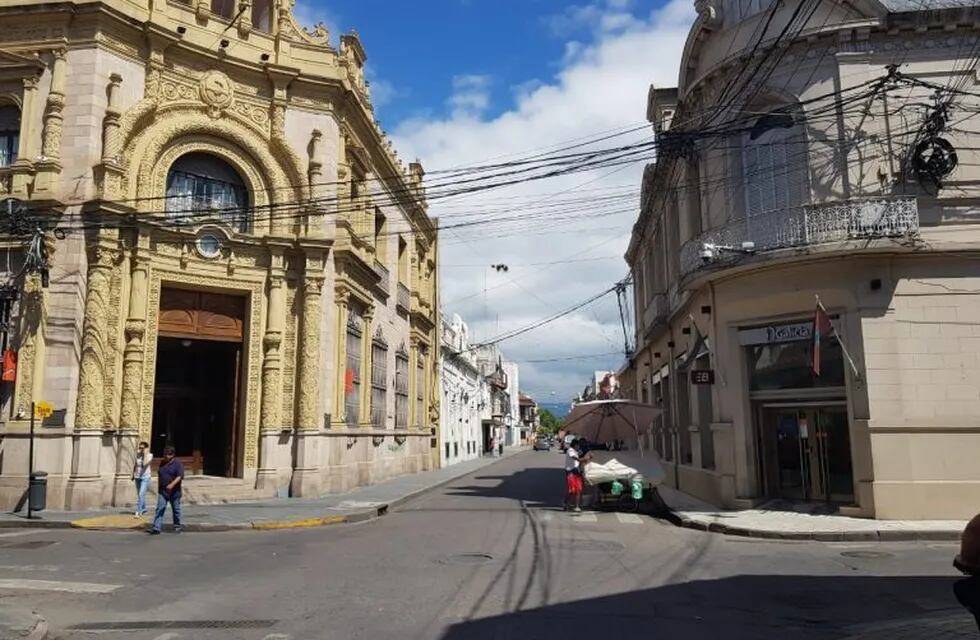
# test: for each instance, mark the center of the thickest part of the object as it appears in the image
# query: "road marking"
(168, 636)
(52, 585)
(30, 567)
(629, 518)
(16, 534)
(278, 636)
(586, 517)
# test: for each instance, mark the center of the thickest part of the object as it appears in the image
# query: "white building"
(512, 421)
(463, 391)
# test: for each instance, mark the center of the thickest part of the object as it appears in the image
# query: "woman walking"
(141, 475)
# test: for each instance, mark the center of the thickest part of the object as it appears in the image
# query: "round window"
(209, 246)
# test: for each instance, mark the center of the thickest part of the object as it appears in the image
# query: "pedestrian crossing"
(592, 517)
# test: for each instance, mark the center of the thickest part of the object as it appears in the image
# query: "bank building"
(236, 261)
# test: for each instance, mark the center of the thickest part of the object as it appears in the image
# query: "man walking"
(171, 474)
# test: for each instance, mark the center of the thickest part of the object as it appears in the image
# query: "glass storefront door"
(806, 453)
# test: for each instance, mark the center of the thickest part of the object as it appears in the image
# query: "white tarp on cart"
(606, 465)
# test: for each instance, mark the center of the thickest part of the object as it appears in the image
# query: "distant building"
(463, 389)
(529, 418)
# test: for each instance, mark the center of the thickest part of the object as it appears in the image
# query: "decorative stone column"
(245, 19)
(51, 140)
(23, 168)
(273, 472)
(342, 308)
(110, 123)
(306, 474)
(84, 489)
(364, 420)
(132, 374)
(30, 340)
(48, 166)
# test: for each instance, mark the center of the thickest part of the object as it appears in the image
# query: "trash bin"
(39, 490)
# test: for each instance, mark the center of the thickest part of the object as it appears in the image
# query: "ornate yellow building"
(247, 270)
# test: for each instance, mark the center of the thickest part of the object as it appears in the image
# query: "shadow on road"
(535, 487)
(750, 606)
(545, 488)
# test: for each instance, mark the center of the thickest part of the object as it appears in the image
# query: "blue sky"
(416, 49)
(458, 82)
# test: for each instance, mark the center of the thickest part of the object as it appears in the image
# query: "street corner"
(116, 522)
(21, 624)
(305, 523)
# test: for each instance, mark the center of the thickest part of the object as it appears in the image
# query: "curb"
(98, 523)
(880, 535)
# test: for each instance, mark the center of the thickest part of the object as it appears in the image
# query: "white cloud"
(470, 97)
(601, 86)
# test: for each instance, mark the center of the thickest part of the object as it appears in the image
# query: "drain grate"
(33, 544)
(136, 625)
(471, 559)
(867, 555)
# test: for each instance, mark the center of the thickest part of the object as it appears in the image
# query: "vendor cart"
(622, 474)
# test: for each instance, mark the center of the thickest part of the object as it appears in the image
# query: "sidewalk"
(788, 525)
(357, 505)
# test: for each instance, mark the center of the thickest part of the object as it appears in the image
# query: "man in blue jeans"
(171, 474)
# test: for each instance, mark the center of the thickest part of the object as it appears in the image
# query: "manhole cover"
(468, 559)
(173, 624)
(33, 544)
(606, 546)
(867, 555)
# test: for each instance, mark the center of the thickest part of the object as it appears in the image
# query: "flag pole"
(840, 341)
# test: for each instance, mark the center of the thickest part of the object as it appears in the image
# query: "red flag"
(9, 366)
(348, 382)
(821, 328)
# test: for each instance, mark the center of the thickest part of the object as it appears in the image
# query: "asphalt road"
(488, 556)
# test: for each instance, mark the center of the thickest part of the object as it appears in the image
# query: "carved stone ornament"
(377, 440)
(216, 91)
(709, 12)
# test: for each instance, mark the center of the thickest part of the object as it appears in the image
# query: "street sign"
(43, 410)
(703, 376)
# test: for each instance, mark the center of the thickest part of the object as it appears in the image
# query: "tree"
(550, 423)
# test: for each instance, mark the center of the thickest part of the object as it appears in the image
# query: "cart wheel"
(628, 503)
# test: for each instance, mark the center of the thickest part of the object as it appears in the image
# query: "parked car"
(542, 444)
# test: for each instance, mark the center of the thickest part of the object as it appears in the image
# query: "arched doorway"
(197, 389)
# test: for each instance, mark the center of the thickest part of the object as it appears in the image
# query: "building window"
(774, 165)
(262, 15)
(9, 134)
(380, 237)
(403, 266)
(200, 184)
(352, 378)
(401, 388)
(379, 380)
(420, 387)
(223, 8)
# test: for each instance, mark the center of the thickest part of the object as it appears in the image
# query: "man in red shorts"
(573, 477)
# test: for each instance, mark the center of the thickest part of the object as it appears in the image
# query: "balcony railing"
(864, 219)
(403, 298)
(382, 272)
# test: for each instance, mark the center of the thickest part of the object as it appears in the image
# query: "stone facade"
(113, 96)
(797, 168)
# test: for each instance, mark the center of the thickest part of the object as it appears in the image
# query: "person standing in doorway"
(141, 476)
(171, 476)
